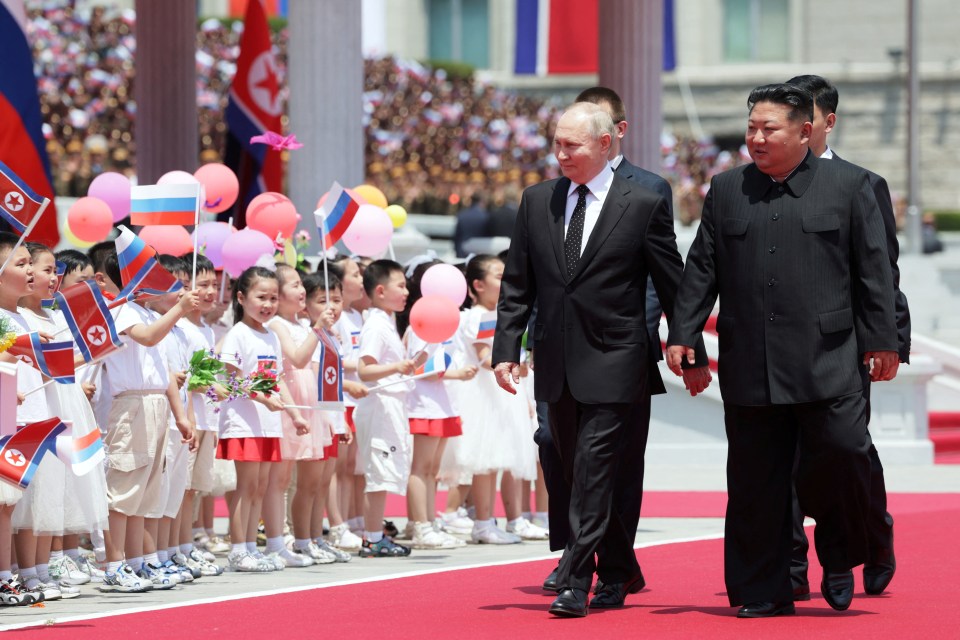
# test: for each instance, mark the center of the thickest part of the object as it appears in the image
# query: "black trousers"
(600, 449)
(828, 441)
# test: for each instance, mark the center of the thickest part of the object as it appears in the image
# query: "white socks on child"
(373, 537)
(163, 555)
(301, 544)
(185, 549)
(275, 545)
(239, 547)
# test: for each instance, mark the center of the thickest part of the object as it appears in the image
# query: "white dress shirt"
(598, 186)
(827, 153)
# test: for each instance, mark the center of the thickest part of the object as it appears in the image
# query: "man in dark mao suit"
(582, 248)
(632, 491)
(796, 252)
(881, 563)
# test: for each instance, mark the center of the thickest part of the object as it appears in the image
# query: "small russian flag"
(437, 363)
(82, 453)
(167, 204)
(335, 215)
(488, 325)
(142, 275)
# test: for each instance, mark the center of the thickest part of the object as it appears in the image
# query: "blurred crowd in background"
(435, 142)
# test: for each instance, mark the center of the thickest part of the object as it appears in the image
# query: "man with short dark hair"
(796, 252)
(881, 563)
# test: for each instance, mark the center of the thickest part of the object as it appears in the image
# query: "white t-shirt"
(34, 407)
(337, 418)
(244, 418)
(200, 338)
(429, 398)
(136, 368)
(348, 327)
(469, 327)
(379, 340)
(174, 349)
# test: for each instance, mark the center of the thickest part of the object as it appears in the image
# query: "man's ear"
(830, 122)
(805, 131)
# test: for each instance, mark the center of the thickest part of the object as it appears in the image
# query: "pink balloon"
(210, 238)
(444, 280)
(370, 232)
(272, 213)
(242, 250)
(170, 239)
(177, 177)
(353, 194)
(434, 318)
(220, 185)
(90, 219)
(114, 189)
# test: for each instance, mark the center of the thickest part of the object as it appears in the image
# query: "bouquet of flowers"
(208, 372)
(7, 335)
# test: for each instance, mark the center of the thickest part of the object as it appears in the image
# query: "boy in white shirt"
(383, 435)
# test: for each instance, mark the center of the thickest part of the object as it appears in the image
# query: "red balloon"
(434, 318)
(221, 185)
(170, 239)
(90, 219)
(272, 213)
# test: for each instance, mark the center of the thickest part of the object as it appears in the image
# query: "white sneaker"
(341, 537)
(408, 531)
(50, 590)
(89, 567)
(157, 577)
(290, 559)
(527, 530)
(207, 568)
(216, 544)
(271, 562)
(68, 591)
(426, 537)
(243, 561)
(66, 572)
(338, 555)
(489, 533)
(456, 522)
(453, 542)
(124, 581)
(316, 553)
(187, 565)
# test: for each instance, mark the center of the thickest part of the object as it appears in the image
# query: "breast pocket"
(735, 226)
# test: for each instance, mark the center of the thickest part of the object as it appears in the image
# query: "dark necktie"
(574, 239)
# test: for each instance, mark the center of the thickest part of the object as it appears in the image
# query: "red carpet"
(685, 599)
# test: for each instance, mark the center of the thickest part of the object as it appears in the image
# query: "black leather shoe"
(766, 609)
(610, 596)
(837, 588)
(550, 584)
(801, 592)
(877, 577)
(571, 603)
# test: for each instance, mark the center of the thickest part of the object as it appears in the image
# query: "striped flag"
(330, 383)
(52, 359)
(19, 205)
(488, 325)
(8, 398)
(142, 275)
(165, 204)
(437, 363)
(335, 215)
(22, 452)
(50, 303)
(89, 319)
(81, 453)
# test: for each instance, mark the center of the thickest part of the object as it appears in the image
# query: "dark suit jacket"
(472, 222)
(653, 182)
(591, 328)
(804, 281)
(902, 309)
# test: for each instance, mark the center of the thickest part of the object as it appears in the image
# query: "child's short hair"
(477, 269)
(204, 263)
(36, 248)
(75, 260)
(8, 240)
(378, 272)
(243, 285)
(173, 264)
(103, 257)
(313, 282)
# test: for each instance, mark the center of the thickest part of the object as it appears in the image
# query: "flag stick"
(323, 254)
(223, 272)
(35, 389)
(26, 232)
(406, 379)
(201, 195)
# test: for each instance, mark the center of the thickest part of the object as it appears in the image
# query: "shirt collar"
(598, 185)
(827, 153)
(615, 163)
(795, 184)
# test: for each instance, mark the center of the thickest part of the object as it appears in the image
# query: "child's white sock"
(152, 559)
(275, 544)
(163, 555)
(527, 515)
(543, 515)
(185, 549)
(301, 544)
(136, 563)
(172, 551)
(373, 537)
(252, 547)
(113, 567)
(56, 555)
(29, 577)
(43, 572)
(73, 554)
(239, 547)
(6, 576)
(198, 532)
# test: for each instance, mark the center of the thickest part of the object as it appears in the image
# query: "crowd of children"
(304, 483)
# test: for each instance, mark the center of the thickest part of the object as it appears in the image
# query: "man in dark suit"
(582, 248)
(796, 251)
(472, 222)
(881, 563)
(632, 493)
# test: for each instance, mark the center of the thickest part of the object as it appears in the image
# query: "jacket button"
(780, 188)
(772, 282)
(775, 217)
(773, 249)
(773, 317)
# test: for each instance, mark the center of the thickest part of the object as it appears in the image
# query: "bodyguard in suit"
(582, 248)
(795, 248)
(881, 562)
(631, 485)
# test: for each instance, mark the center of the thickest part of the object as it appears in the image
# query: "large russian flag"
(165, 204)
(22, 147)
(254, 107)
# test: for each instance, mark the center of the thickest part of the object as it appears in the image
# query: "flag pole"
(201, 195)
(223, 270)
(323, 254)
(26, 232)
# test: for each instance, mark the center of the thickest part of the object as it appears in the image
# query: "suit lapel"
(613, 209)
(558, 208)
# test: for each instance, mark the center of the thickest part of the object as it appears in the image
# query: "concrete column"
(631, 61)
(165, 130)
(326, 85)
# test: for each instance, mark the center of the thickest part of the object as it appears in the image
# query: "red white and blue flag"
(23, 149)
(81, 453)
(142, 275)
(89, 319)
(165, 204)
(335, 215)
(330, 382)
(52, 359)
(22, 452)
(49, 303)
(436, 363)
(254, 107)
(488, 325)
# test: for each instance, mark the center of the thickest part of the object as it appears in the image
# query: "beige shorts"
(136, 445)
(384, 443)
(201, 471)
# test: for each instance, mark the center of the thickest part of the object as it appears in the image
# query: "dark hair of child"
(243, 285)
(378, 273)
